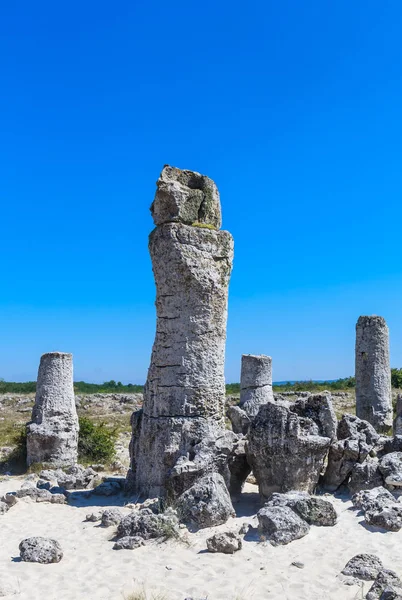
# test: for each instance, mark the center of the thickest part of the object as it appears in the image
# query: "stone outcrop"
(387, 586)
(52, 434)
(380, 508)
(363, 566)
(356, 438)
(373, 373)
(184, 396)
(288, 444)
(281, 524)
(255, 382)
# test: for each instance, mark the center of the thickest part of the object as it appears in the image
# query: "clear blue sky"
(293, 108)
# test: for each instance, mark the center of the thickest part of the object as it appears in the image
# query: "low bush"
(95, 441)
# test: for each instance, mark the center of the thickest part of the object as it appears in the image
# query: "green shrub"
(95, 441)
(17, 460)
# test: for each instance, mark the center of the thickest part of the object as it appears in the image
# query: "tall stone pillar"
(184, 395)
(52, 433)
(373, 373)
(255, 382)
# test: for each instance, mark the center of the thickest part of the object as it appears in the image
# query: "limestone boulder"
(40, 550)
(206, 503)
(147, 525)
(281, 525)
(111, 517)
(390, 467)
(239, 419)
(387, 586)
(130, 542)
(365, 476)
(363, 566)
(316, 511)
(226, 542)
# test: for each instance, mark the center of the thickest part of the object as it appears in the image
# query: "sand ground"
(91, 569)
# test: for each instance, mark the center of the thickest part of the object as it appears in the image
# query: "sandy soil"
(91, 569)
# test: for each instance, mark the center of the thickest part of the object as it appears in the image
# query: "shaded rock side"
(285, 450)
(281, 525)
(52, 433)
(373, 373)
(184, 397)
(255, 382)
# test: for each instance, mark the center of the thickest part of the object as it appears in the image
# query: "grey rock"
(356, 438)
(145, 524)
(94, 517)
(111, 517)
(375, 498)
(389, 517)
(4, 508)
(316, 511)
(130, 542)
(285, 450)
(10, 499)
(227, 542)
(238, 467)
(52, 433)
(387, 585)
(39, 495)
(390, 467)
(363, 566)
(281, 524)
(239, 419)
(207, 503)
(40, 550)
(318, 408)
(186, 197)
(365, 476)
(373, 373)
(255, 382)
(184, 396)
(288, 499)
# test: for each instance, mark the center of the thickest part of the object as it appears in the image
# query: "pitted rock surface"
(255, 382)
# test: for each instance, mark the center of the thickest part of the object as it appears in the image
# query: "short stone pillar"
(373, 373)
(398, 416)
(255, 382)
(52, 433)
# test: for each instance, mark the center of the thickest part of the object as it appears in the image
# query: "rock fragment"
(226, 542)
(363, 566)
(40, 550)
(281, 524)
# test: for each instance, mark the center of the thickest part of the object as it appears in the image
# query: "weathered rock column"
(52, 433)
(398, 416)
(184, 395)
(255, 382)
(373, 373)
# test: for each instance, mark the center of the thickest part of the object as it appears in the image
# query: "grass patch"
(203, 225)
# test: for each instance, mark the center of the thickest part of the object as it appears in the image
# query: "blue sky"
(293, 108)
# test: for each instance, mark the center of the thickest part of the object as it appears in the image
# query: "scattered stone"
(111, 517)
(94, 517)
(130, 542)
(52, 433)
(41, 550)
(10, 499)
(39, 495)
(372, 499)
(387, 586)
(281, 524)
(145, 524)
(226, 542)
(316, 511)
(373, 373)
(244, 529)
(398, 416)
(207, 503)
(255, 383)
(107, 488)
(4, 508)
(380, 508)
(297, 564)
(363, 566)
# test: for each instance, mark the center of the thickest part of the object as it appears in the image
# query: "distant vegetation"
(110, 387)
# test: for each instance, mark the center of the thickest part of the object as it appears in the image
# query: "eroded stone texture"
(52, 434)
(286, 448)
(255, 382)
(373, 373)
(184, 395)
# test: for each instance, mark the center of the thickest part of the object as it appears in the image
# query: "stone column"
(373, 373)
(184, 396)
(255, 382)
(52, 433)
